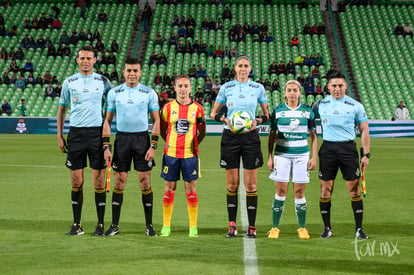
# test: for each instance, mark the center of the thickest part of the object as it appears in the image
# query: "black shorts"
(85, 142)
(128, 147)
(247, 146)
(334, 155)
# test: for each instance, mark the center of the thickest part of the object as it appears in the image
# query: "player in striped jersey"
(290, 123)
(183, 127)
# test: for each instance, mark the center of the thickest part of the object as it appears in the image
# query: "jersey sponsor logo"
(242, 96)
(254, 86)
(294, 123)
(130, 101)
(119, 90)
(182, 126)
(325, 101)
(143, 91)
(98, 78)
(230, 86)
(336, 112)
(85, 91)
(72, 79)
(349, 103)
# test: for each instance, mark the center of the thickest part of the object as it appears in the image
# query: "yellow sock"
(192, 205)
(168, 206)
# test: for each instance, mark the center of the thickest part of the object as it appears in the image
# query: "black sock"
(251, 204)
(325, 207)
(147, 198)
(100, 202)
(117, 199)
(232, 202)
(358, 207)
(77, 201)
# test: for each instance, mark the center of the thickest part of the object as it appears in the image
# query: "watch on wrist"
(154, 146)
(368, 155)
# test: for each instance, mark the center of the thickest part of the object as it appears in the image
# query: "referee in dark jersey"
(339, 115)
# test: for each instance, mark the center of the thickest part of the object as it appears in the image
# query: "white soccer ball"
(241, 122)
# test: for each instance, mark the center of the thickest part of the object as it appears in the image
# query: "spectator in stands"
(321, 28)
(153, 59)
(82, 5)
(234, 52)
(299, 60)
(307, 29)
(215, 87)
(99, 46)
(290, 68)
(40, 42)
(182, 32)
(172, 40)
(273, 68)
(269, 38)
(319, 59)
(301, 79)
(81, 35)
(6, 108)
(22, 107)
(199, 96)
(315, 72)
(3, 31)
(3, 54)
(51, 51)
(20, 82)
(267, 85)
(58, 90)
(196, 47)
(192, 71)
(309, 89)
(318, 89)
(180, 47)
(211, 52)
(158, 40)
(401, 112)
(219, 24)
(32, 43)
(166, 80)
(47, 78)
(50, 20)
(39, 79)
(59, 51)
(208, 85)
(275, 85)
(30, 80)
(114, 75)
(175, 21)
(312, 60)
(74, 38)
(303, 4)
(96, 36)
(281, 69)
(314, 29)
(201, 72)
(42, 23)
(182, 21)
(13, 78)
(102, 17)
(6, 78)
(13, 31)
(19, 54)
(89, 35)
(203, 47)
(399, 30)
(212, 25)
(254, 28)
(56, 24)
(190, 32)
(66, 51)
(2, 19)
(162, 59)
(190, 21)
(34, 23)
(158, 79)
(64, 38)
(111, 59)
(48, 43)
(25, 42)
(187, 47)
(49, 92)
(309, 79)
(14, 67)
(55, 80)
(204, 24)
(294, 42)
(408, 30)
(146, 17)
(227, 14)
(56, 10)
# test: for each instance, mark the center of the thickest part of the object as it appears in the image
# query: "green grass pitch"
(35, 214)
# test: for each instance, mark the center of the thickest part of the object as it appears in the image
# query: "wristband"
(154, 138)
(217, 118)
(105, 140)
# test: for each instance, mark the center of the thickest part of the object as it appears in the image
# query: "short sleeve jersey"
(182, 123)
(339, 117)
(132, 106)
(86, 96)
(292, 127)
(240, 96)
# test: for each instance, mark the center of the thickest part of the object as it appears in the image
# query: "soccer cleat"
(251, 232)
(75, 230)
(193, 232)
(327, 233)
(149, 231)
(232, 230)
(273, 233)
(113, 230)
(99, 231)
(303, 233)
(360, 234)
(165, 231)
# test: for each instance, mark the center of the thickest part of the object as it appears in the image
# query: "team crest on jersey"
(324, 121)
(75, 99)
(230, 104)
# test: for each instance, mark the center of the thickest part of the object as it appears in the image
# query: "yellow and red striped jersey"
(182, 120)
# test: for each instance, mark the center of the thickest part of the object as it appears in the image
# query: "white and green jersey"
(292, 127)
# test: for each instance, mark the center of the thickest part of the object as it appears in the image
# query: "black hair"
(334, 74)
(88, 49)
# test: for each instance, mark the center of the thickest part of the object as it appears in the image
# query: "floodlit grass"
(35, 214)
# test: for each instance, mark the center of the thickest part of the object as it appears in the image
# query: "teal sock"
(277, 210)
(300, 207)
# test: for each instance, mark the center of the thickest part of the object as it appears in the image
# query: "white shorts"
(287, 165)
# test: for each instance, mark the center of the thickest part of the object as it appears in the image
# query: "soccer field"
(35, 214)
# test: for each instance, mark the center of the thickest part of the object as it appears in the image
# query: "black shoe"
(149, 231)
(99, 231)
(327, 233)
(75, 230)
(113, 230)
(232, 230)
(360, 234)
(251, 232)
